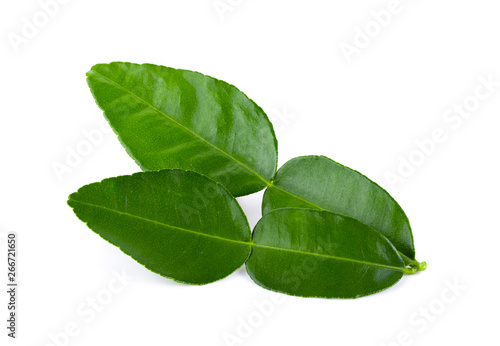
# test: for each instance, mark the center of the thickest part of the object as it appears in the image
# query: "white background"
(286, 55)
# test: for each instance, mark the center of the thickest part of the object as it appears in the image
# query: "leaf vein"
(161, 223)
(184, 127)
(330, 257)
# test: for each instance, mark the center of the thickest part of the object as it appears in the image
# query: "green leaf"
(320, 183)
(178, 224)
(314, 253)
(170, 118)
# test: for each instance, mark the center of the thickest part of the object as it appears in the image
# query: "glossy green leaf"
(170, 118)
(314, 253)
(320, 183)
(179, 224)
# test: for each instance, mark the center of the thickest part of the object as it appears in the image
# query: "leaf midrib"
(251, 243)
(161, 223)
(401, 269)
(323, 209)
(184, 127)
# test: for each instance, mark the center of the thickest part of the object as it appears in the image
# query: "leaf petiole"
(413, 266)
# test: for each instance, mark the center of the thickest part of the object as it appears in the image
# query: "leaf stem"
(412, 265)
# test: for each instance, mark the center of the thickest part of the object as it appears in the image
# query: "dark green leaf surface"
(320, 183)
(314, 253)
(178, 224)
(170, 118)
